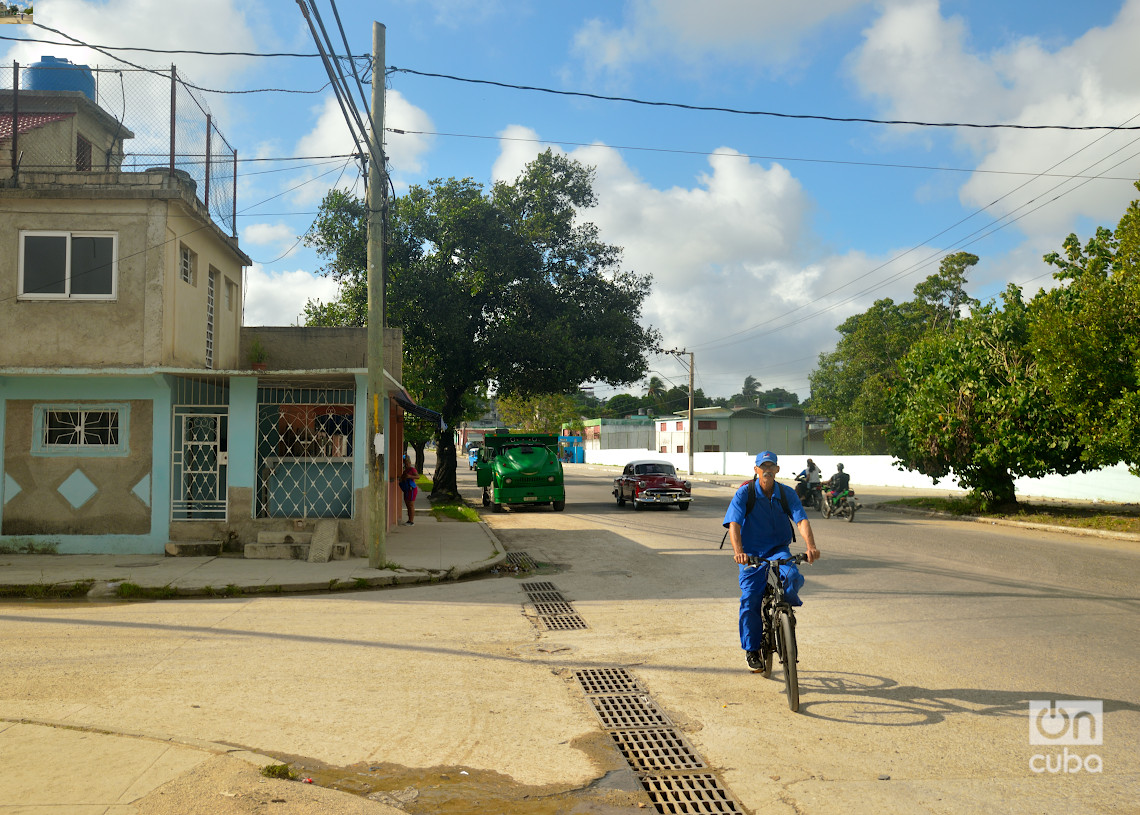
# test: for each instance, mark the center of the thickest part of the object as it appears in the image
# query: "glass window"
(68, 265)
(186, 265)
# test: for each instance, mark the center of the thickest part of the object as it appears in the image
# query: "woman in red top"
(409, 488)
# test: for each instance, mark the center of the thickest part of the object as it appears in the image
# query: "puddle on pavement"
(467, 791)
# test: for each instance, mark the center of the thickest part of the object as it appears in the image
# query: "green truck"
(520, 469)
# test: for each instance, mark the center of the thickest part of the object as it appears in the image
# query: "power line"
(740, 112)
(155, 50)
(750, 156)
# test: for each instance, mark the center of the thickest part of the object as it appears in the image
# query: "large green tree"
(507, 288)
(972, 402)
(1086, 340)
(541, 413)
(851, 383)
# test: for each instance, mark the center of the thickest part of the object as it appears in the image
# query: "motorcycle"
(810, 495)
(843, 506)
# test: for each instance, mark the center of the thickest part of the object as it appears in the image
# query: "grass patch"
(1118, 518)
(458, 512)
(278, 771)
(133, 591)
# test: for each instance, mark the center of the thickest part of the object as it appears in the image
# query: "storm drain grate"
(608, 680)
(546, 597)
(622, 712)
(522, 560)
(561, 609)
(649, 751)
(538, 585)
(564, 622)
(689, 793)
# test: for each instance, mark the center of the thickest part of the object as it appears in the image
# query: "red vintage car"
(646, 482)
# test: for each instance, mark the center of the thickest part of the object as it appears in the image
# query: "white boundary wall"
(1113, 484)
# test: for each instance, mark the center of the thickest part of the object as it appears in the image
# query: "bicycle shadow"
(865, 699)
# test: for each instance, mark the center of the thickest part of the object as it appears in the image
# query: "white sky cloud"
(917, 63)
(765, 33)
(277, 298)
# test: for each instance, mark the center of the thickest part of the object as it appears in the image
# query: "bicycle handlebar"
(755, 560)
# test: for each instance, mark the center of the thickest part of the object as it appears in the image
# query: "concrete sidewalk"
(429, 551)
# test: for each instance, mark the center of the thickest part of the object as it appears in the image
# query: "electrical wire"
(750, 156)
(740, 112)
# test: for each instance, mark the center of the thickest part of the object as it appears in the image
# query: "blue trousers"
(752, 583)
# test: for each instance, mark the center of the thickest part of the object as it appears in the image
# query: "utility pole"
(377, 200)
(692, 426)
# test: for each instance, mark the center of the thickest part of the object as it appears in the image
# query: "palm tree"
(655, 390)
(751, 390)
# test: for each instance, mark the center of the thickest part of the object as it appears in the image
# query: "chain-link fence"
(61, 117)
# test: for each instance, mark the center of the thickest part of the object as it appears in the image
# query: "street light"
(692, 368)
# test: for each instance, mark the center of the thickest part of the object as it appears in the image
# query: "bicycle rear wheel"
(786, 637)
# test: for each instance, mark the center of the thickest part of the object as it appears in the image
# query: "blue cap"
(766, 457)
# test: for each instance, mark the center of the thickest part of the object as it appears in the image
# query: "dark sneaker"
(755, 661)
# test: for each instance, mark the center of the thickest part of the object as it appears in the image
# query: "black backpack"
(750, 504)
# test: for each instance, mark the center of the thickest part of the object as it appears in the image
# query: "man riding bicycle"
(764, 530)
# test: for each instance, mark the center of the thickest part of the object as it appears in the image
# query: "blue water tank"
(59, 74)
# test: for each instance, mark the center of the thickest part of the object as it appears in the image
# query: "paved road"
(922, 645)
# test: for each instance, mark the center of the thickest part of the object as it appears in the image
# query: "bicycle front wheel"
(786, 631)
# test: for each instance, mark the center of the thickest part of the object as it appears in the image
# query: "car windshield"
(655, 469)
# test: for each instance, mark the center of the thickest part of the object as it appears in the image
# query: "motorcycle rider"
(838, 484)
(808, 479)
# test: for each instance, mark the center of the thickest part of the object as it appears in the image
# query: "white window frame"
(187, 264)
(81, 447)
(67, 293)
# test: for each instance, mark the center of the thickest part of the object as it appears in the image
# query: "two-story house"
(129, 415)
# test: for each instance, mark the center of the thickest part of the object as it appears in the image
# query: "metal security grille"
(656, 750)
(304, 452)
(608, 681)
(700, 793)
(210, 290)
(199, 450)
(198, 466)
(620, 712)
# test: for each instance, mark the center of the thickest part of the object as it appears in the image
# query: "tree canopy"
(507, 289)
(1086, 340)
(851, 383)
(971, 402)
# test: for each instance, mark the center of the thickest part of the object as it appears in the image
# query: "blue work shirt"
(766, 531)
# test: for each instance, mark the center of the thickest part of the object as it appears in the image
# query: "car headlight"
(550, 478)
(687, 486)
(506, 481)
(641, 484)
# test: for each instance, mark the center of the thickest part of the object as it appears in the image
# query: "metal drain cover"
(564, 622)
(689, 793)
(656, 750)
(522, 560)
(621, 712)
(562, 609)
(538, 585)
(546, 597)
(608, 680)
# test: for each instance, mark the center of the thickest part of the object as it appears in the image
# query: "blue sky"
(762, 233)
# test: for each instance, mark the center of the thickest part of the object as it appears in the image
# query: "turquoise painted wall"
(155, 388)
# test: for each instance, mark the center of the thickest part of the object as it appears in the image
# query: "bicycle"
(779, 620)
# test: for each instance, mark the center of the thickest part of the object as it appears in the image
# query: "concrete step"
(193, 548)
(277, 551)
(285, 537)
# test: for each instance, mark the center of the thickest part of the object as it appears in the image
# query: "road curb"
(1067, 530)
